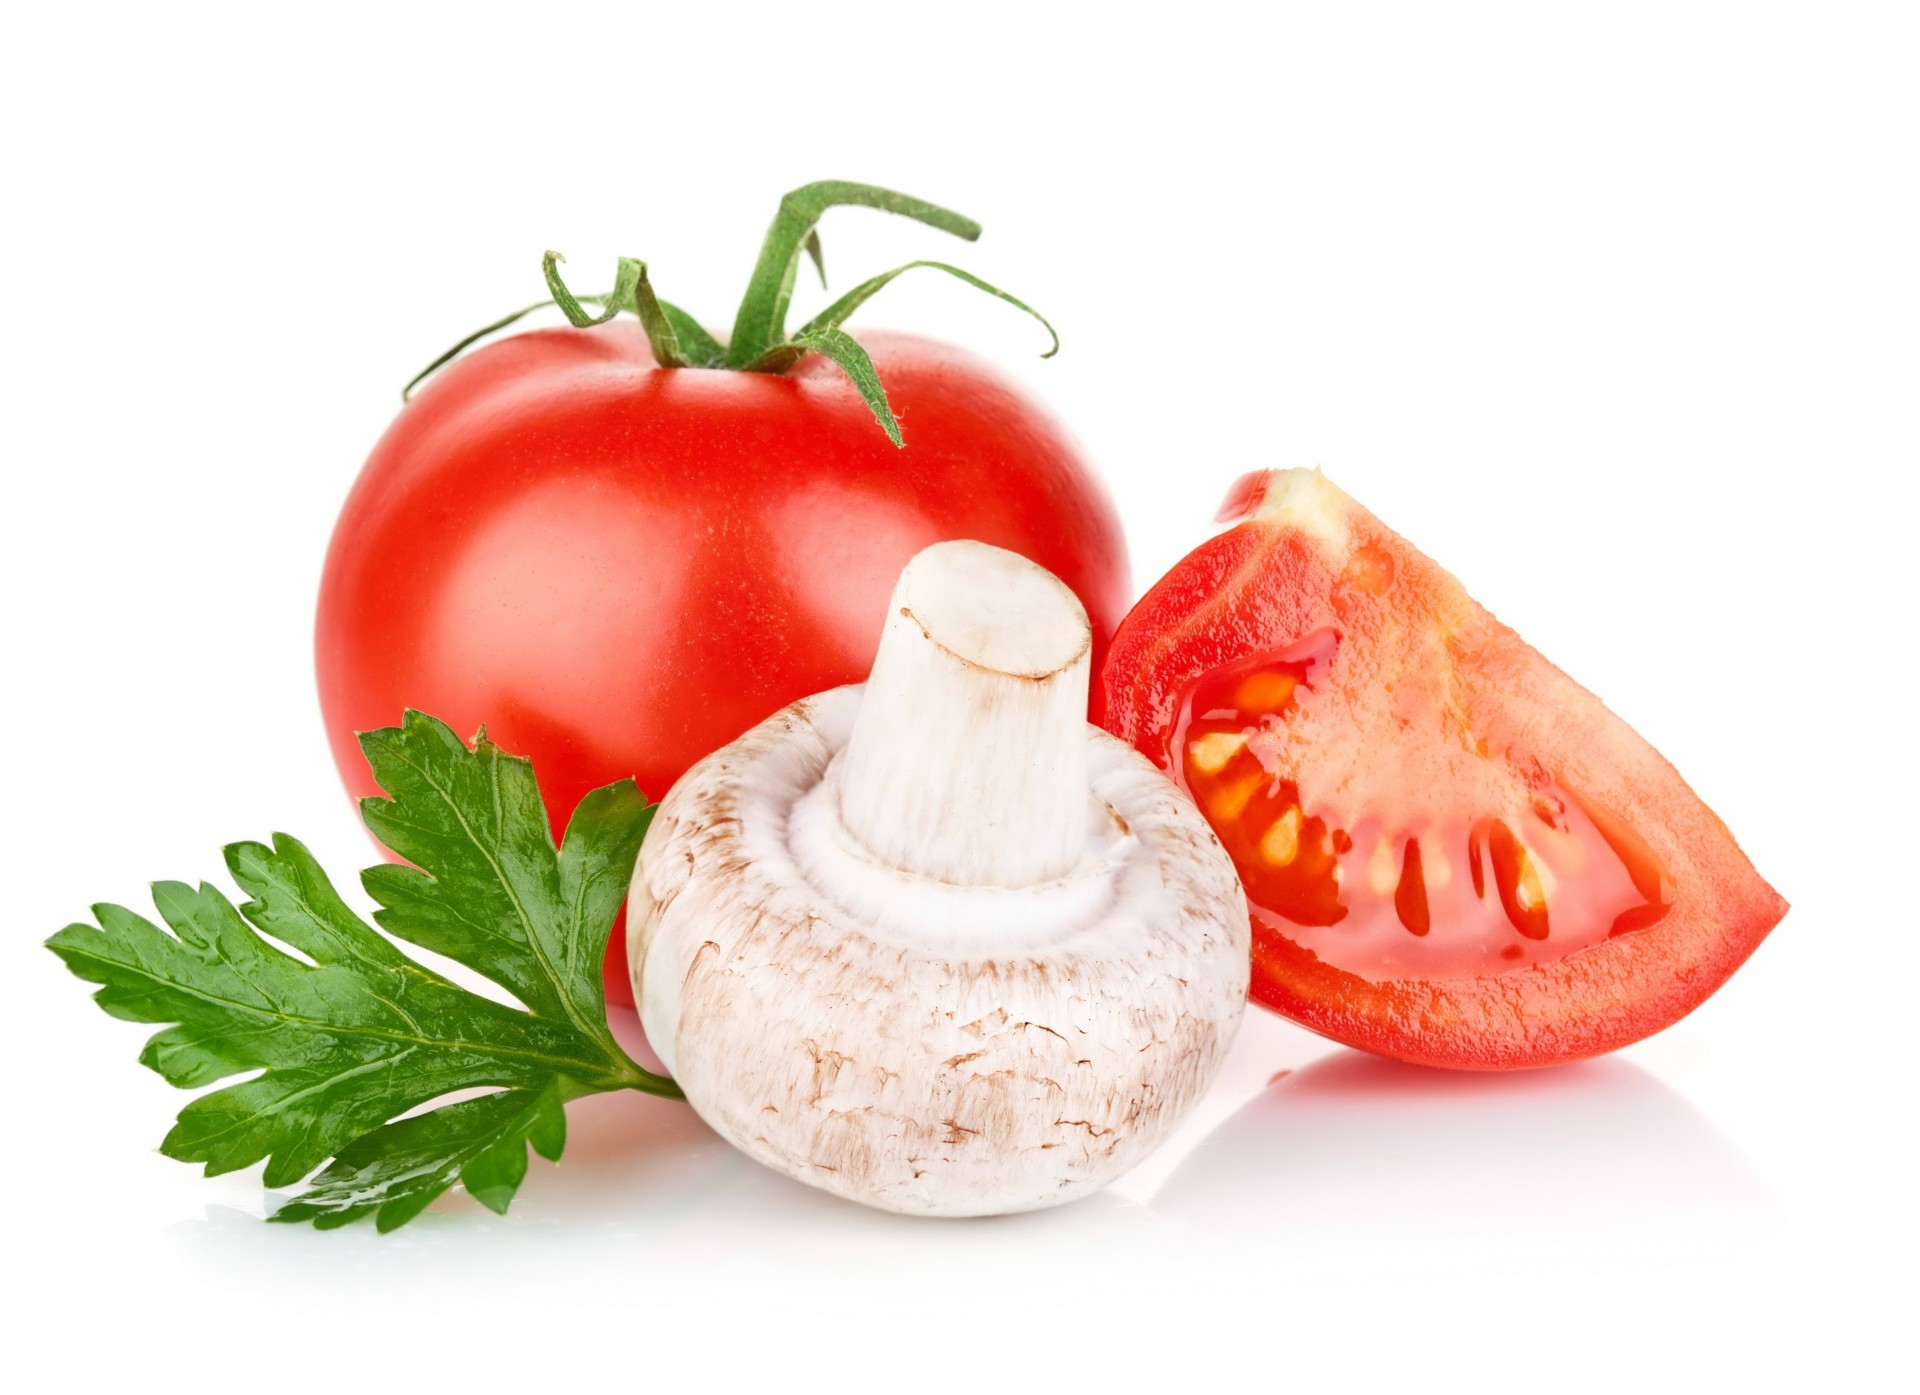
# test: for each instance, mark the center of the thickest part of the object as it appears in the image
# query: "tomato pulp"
(617, 569)
(1453, 854)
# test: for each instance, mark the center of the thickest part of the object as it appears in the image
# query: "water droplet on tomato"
(1369, 570)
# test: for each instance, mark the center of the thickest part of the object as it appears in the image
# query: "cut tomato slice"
(1453, 853)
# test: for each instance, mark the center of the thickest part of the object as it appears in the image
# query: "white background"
(1612, 308)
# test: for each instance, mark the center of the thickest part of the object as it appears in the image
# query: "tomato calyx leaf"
(631, 291)
(699, 347)
(760, 342)
(834, 343)
(346, 1031)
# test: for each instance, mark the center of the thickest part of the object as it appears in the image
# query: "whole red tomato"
(618, 568)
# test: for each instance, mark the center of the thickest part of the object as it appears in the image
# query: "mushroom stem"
(968, 760)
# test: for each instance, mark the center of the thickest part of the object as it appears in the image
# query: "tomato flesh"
(1386, 895)
(1452, 853)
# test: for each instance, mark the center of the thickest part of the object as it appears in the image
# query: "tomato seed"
(1522, 895)
(1209, 754)
(1266, 693)
(1410, 897)
(1281, 843)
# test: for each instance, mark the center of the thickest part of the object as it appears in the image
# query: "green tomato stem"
(760, 342)
(762, 321)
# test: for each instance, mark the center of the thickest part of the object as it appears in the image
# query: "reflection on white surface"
(1340, 1162)
(1599, 1152)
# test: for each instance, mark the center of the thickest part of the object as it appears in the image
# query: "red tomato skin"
(617, 569)
(1256, 587)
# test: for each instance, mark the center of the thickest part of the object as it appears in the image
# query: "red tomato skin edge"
(1196, 619)
(786, 511)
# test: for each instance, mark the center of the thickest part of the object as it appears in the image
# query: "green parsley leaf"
(362, 1033)
(393, 1172)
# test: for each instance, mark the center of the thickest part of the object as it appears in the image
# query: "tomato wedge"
(1454, 854)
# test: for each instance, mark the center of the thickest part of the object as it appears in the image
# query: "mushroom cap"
(919, 1046)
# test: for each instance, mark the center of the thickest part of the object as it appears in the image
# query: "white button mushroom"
(934, 943)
